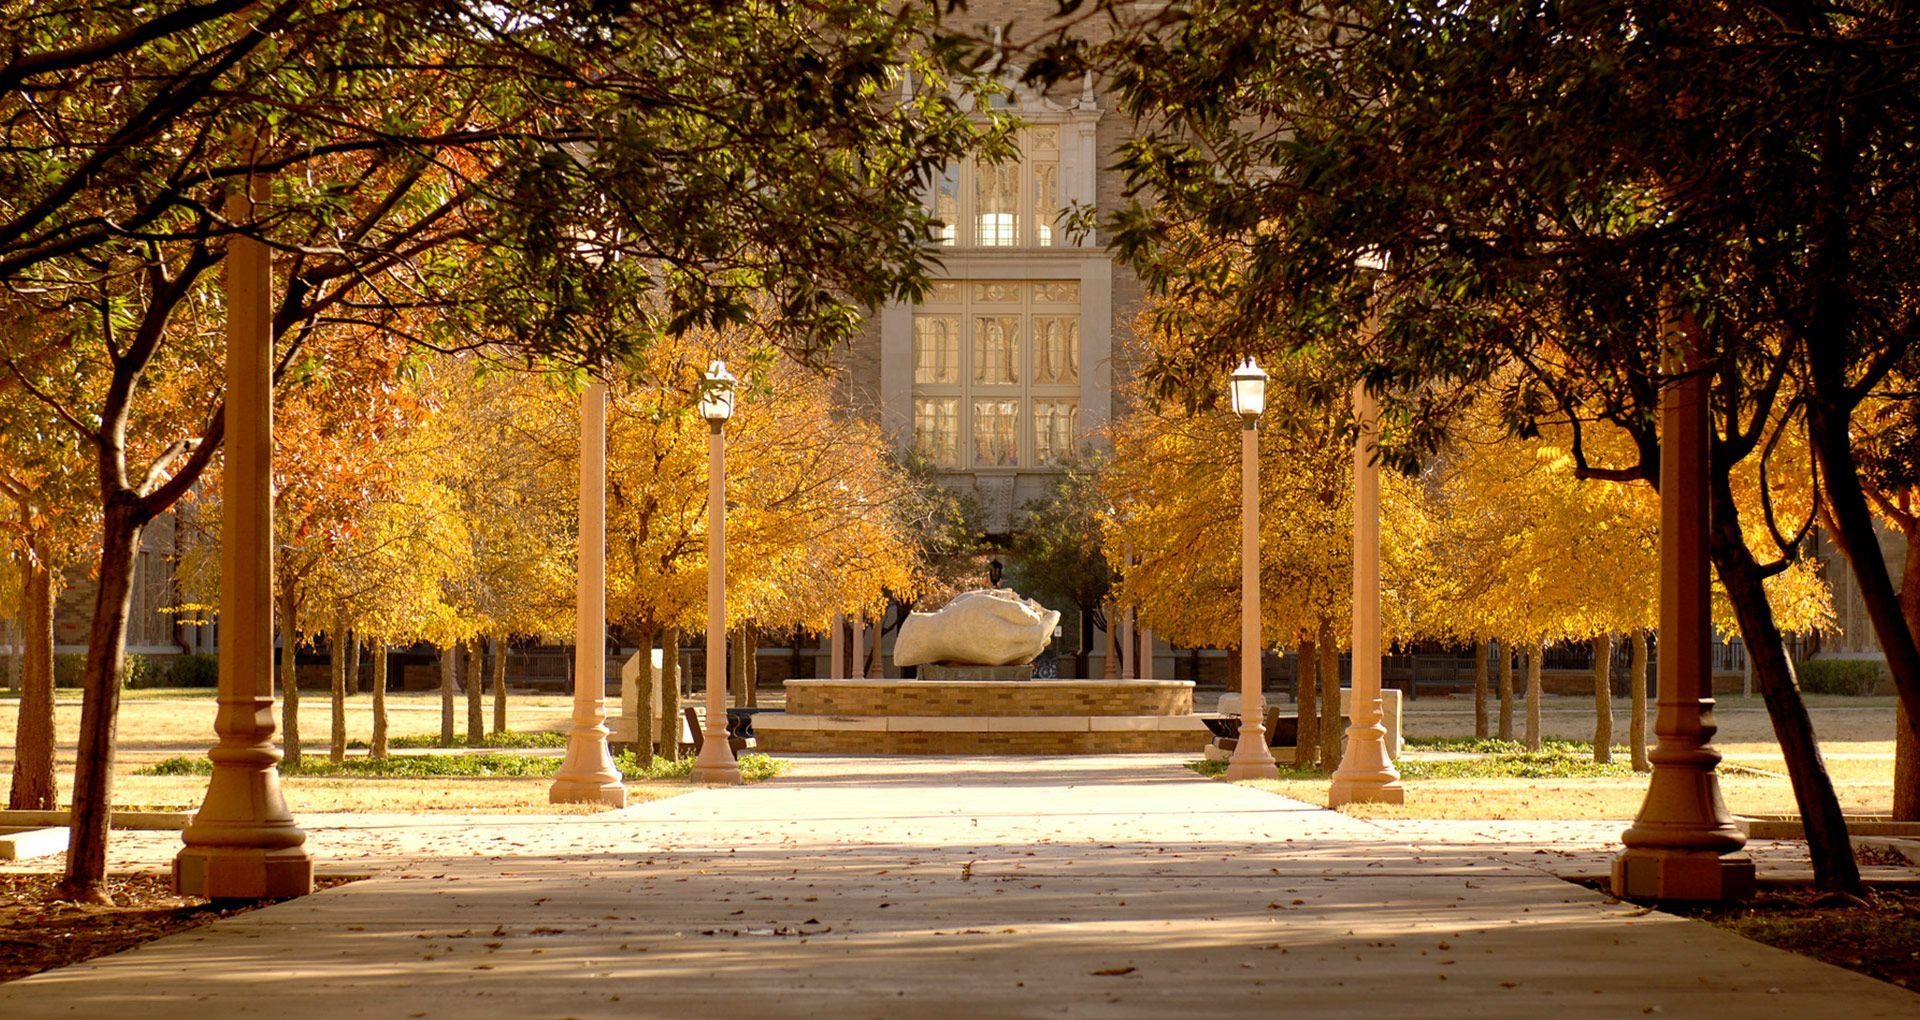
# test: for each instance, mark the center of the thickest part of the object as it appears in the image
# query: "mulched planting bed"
(37, 934)
(1878, 935)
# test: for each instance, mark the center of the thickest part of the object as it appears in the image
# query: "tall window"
(1011, 204)
(996, 373)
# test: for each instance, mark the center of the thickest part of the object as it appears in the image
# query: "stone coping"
(148, 820)
(21, 844)
(989, 684)
(961, 698)
(777, 722)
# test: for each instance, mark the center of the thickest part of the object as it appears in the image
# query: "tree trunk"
(1827, 842)
(378, 745)
(15, 640)
(753, 664)
(353, 662)
(500, 683)
(1603, 698)
(1906, 750)
(337, 674)
(670, 694)
(1306, 702)
(476, 679)
(1081, 659)
(1829, 424)
(1330, 729)
(449, 665)
(1906, 770)
(1505, 732)
(1637, 697)
(640, 710)
(100, 706)
(289, 676)
(1110, 647)
(1480, 690)
(35, 786)
(1536, 651)
(876, 664)
(737, 666)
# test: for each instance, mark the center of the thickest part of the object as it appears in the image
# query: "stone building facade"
(152, 627)
(1013, 363)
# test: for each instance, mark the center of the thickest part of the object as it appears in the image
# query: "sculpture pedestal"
(941, 672)
(988, 717)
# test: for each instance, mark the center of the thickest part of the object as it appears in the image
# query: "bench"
(1283, 729)
(739, 730)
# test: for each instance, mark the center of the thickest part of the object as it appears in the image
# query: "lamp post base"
(716, 765)
(1366, 774)
(590, 790)
(1684, 845)
(1251, 757)
(588, 775)
(1366, 790)
(243, 873)
(1646, 873)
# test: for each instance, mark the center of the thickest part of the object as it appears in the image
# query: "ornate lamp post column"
(716, 763)
(588, 776)
(1251, 757)
(1366, 771)
(243, 844)
(1684, 845)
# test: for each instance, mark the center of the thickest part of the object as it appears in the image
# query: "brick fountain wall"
(984, 717)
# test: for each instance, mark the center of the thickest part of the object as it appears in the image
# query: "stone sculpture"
(983, 627)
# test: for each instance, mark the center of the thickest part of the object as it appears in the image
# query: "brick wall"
(856, 742)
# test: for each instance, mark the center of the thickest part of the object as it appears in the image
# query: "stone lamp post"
(1251, 758)
(716, 763)
(243, 843)
(1366, 772)
(1684, 845)
(588, 775)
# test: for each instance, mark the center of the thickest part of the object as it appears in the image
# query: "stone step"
(980, 734)
(161, 821)
(776, 722)
(21, 844)
(966, 698)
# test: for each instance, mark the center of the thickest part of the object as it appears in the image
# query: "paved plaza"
(924, 888)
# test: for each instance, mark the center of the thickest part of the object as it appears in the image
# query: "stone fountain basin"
(1001, 698)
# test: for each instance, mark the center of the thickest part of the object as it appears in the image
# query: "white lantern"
(1248, 387)
(716, 394)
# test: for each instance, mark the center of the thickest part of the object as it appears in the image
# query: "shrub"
(180, 765)
(1494, 745)
(66, 669)
(754, 767)
(507, 739)
(1517, 764)
(138, 670)
(1858, 677)
(194, 670)
(400, 766)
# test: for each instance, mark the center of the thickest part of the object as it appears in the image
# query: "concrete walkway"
(1003, 888)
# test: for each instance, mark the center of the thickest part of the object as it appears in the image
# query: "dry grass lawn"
(1856, 736)
(159, 724)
